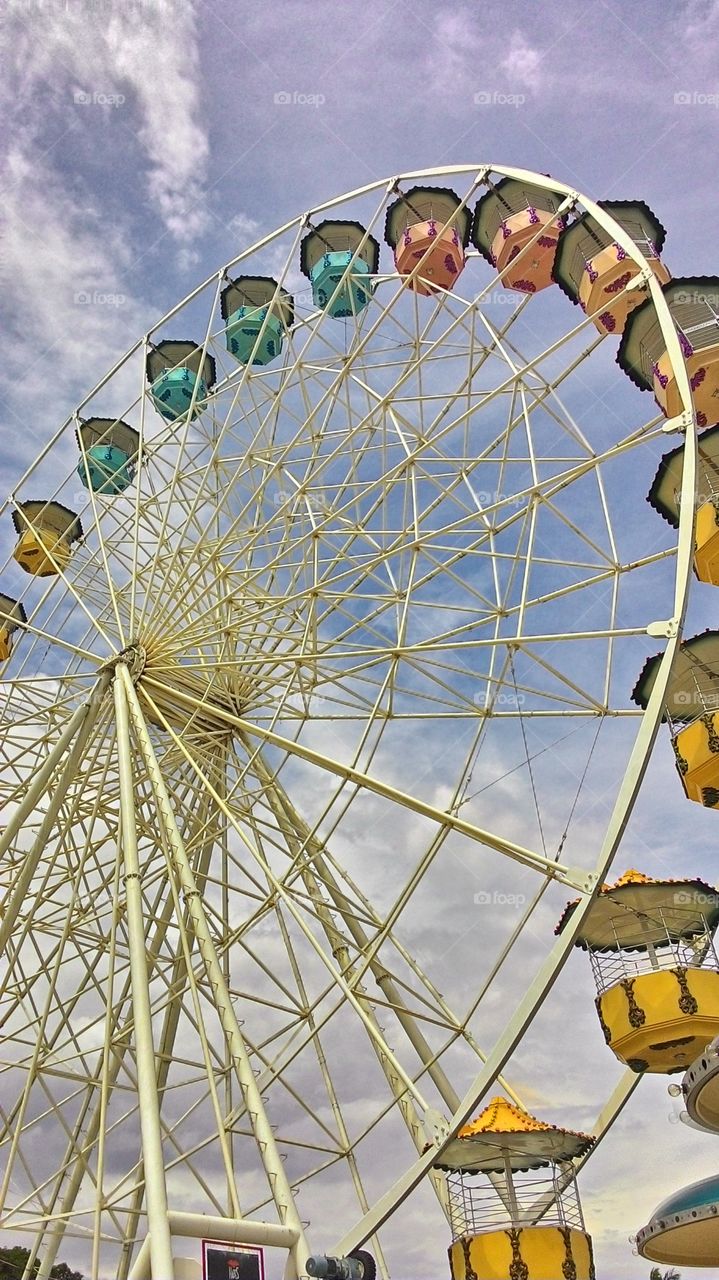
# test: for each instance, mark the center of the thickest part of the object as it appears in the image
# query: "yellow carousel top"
(502, 1116)
(504, 1136)
(638, 911)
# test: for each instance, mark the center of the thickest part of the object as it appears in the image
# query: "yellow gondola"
(47, 532)
(12, 616)
(692, 710)
(665, 493)
(655, 967)
(525, 1217)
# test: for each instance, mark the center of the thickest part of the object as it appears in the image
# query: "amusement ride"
(336, 638)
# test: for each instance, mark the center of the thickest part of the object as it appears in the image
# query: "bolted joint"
(683, 422)
(436, 1127)
(640, 280)
(666, 629)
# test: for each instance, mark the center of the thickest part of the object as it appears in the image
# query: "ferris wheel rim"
(672, 628)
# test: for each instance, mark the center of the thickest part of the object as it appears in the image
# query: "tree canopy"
(14, 1260)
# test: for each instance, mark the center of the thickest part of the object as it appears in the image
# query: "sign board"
(223, 1261)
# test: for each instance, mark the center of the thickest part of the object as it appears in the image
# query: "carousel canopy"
(684, 1230)
(694, 304)
(693, 687)
(335, 237)
(12, 614)
(585, 237)
(47, 515)
(256, 291)
(423, 204)
(667, 483)
(110, 431)
(171, 354)
(503, 1134)
(637, 911)
(504, 198)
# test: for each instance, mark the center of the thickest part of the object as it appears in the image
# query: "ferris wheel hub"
(133, 656)
(180, 693)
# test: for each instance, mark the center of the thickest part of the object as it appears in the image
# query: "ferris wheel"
(320, 619)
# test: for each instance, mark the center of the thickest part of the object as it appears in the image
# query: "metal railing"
(662, 951)
(535, 1197)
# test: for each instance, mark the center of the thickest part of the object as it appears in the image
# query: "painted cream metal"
(276, 723)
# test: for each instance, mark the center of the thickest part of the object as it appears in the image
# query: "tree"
(14, 1260)
(655, 1274)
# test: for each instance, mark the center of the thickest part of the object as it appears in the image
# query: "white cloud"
(132, 57)
(455, 44)
(699, 23)
(122, 84)
(243, 229)
(68, 316)
(524, 64)
(159, 60)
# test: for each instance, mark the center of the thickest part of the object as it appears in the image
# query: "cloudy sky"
(146, 141)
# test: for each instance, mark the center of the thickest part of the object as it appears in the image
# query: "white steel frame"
(158, 761)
